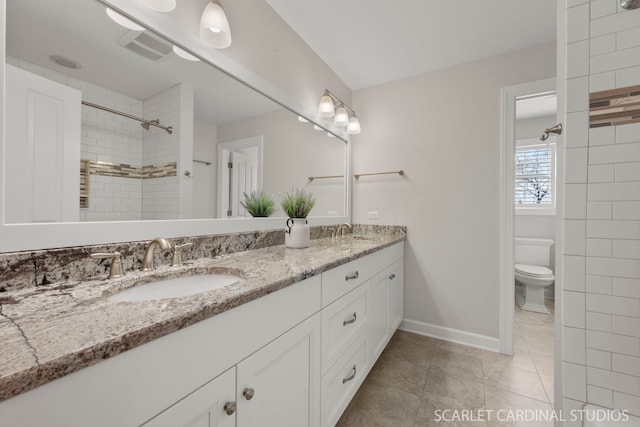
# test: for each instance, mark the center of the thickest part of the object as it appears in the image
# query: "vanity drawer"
(344, 278)
(340, 384)
(343, 322)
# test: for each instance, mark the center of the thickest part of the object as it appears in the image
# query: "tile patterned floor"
(418, 377)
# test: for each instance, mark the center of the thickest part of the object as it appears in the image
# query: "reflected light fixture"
(331, 106)
(184, 54)
(123, 20)
(214, 26)
(160, 5)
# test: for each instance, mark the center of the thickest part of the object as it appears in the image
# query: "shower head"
(557, 129)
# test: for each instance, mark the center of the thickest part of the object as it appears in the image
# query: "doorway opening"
(528, 198)
(239, 172)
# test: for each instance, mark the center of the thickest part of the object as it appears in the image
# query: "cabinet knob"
(248, 393)
(230, 408)
(351, 276)
(393, 276)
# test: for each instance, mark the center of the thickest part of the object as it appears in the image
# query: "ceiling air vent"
(146, 44)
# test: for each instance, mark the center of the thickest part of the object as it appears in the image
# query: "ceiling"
(368, 42)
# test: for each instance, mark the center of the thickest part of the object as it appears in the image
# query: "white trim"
(507, 203)
(452, 335)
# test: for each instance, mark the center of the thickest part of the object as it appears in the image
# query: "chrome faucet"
(147, 260)
(340, 230)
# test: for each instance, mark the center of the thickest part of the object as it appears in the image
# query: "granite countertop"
(52, 331)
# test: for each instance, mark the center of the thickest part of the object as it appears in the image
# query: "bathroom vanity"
(287, 345)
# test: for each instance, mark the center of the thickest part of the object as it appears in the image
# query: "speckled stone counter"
(50, 331)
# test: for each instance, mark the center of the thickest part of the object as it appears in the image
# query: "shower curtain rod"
(144, 123)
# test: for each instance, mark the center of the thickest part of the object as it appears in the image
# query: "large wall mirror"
(119, 134)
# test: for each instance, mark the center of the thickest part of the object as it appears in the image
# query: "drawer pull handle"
(230, 408)
(351, 276)
(350, 321)
(350, 377)
(248, 393)
(393, 276)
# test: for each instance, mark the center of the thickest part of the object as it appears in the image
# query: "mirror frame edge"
(25, 237)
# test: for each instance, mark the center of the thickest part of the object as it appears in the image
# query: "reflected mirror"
(107, 123)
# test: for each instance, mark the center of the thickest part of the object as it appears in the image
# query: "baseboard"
(452, 335)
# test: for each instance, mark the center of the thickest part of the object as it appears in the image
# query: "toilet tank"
(532, 251)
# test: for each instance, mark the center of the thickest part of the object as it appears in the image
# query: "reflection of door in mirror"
(239, 172)
(43, 143)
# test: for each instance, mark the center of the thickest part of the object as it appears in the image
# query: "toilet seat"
(538, 271)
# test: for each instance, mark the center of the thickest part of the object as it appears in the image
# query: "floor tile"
(518, 381)
(377, 405)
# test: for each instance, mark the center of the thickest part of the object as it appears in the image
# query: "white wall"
(294, 151)
(205, 184)
(601, 261)
(443, 129)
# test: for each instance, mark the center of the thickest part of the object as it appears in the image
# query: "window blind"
(534, 172)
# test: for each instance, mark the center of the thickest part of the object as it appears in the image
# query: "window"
(535, 179)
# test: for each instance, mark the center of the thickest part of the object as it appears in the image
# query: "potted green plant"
(297, 205)
(258, 203)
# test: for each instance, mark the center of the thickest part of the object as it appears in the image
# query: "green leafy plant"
(259, 203)
(298, 203)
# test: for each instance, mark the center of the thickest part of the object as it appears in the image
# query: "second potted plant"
(297, 205)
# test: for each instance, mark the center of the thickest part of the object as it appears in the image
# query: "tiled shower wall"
(601, 282)
(161, 196)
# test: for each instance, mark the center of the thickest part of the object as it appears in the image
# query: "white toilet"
(532, 271)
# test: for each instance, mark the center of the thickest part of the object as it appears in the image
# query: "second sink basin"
(175, 287)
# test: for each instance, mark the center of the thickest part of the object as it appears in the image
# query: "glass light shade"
(326, 107)
(342, 117)
(123, 20)
(353, 128)
(184, 54)
(214, 27)
(160, 5)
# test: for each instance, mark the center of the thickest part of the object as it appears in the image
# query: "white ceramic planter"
(297, 234)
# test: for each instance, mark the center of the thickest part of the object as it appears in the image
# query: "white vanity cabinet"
(292, 358)
(362, 308)
(212, 405)
(276, 386)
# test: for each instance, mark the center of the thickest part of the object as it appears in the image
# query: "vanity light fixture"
(331, 106)
(160, 5)
(123, 20)
(214, 26)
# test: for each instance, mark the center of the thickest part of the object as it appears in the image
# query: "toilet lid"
(533, 270)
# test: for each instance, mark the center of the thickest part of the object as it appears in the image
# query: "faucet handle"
(116, 264)
(176, 259)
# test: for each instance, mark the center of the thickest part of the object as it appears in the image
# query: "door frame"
(509, 95)
(237, 144)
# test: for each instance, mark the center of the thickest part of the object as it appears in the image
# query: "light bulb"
(123, 20)
(342, 117)
(316, 127)
(302, 119)
(326, 107)
(160, 5)
(214, 26)
(353, 128)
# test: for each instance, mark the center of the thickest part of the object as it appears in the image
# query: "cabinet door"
(279, 385)
(395, 288)
(212, 405)
(379, 330)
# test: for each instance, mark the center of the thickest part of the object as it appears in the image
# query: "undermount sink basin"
(175, 287)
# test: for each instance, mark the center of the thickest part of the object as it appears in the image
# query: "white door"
(42, 146)
(212, 405)
(280, 384)
(239, 172)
